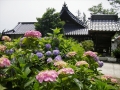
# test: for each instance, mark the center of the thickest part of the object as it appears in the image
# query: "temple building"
(99, 28)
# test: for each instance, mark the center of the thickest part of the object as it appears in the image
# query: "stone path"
(112, 69)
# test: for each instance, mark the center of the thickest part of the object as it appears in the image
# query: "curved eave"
(65, 9)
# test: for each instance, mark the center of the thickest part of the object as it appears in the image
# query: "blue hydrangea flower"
(49, 60)
(58, 57)
(56, 52)
(48, 53)
(100, 63)
(48, 46)
(39, 54)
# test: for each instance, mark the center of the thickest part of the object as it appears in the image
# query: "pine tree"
(100, 10)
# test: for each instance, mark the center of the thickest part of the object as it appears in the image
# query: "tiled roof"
(65, 8)
(21, 28)
(75, 30)
(94, 25)
(103, 25)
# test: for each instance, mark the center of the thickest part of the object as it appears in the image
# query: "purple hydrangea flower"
(48, 46)
(96, 59)
(58, 57)
(49, 60)
(56, 52)
(11, 51)
(39, 54)
(100, 63)
(48, 53)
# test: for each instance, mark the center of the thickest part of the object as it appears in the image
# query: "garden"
(54, 62)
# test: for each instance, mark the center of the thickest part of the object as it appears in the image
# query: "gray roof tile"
(103, 25)
(21, 28)
(75, 30)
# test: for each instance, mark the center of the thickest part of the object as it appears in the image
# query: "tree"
(100, 10)
(49, 20)
(80, 16)
(84, 18)
(115, 4)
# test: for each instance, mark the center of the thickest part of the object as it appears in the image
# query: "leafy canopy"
(49, 20)
(115, 4)
(100, 10)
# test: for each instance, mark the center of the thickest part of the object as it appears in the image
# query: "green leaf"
(27, 71)
(15, 68)
(31, 80)
(56, 31)
(2, 88)
(36, 86)
(49, 34)
(78, 83)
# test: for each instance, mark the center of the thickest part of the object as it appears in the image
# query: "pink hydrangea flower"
(33, 33)
(66, 71)
(79, 63)
(114, 80)
(2, 48)
(91, 54)
(4, 62)
(60, 64)
(47, 76)
(6, 38)
(71, 54)
(107, 76)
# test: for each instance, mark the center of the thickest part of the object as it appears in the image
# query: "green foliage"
(100, 85)
(49, 20)
(2, 88)
(88, 45)
(115, 4)
(100, 10)
(25, 65)
(116, 52)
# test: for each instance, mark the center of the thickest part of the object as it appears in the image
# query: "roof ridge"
(72, 16)
(26, 22)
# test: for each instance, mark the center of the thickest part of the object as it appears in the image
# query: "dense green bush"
(116, 52)
(88, 45)
(50, 63)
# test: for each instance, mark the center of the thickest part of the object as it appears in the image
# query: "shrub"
(51, 63)
(116, 52)
(88, 45)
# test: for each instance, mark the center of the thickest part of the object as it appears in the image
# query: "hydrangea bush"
(33, 62)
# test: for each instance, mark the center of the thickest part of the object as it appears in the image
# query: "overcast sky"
(14, 11)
